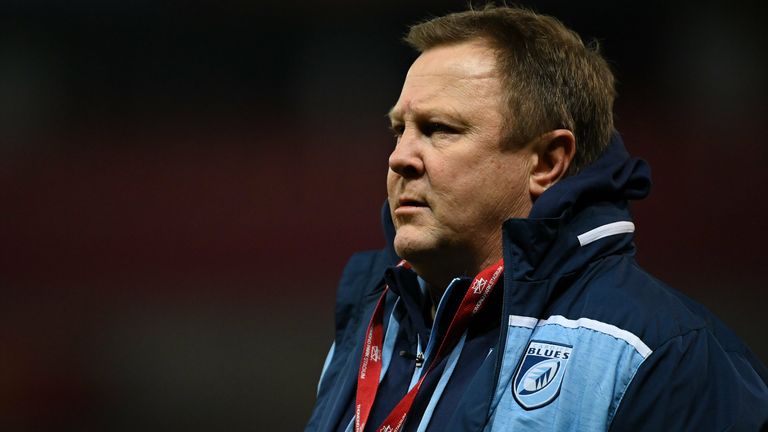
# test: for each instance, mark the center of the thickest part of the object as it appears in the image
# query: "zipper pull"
(418, 357)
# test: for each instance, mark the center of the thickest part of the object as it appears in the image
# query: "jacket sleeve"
(691, 383)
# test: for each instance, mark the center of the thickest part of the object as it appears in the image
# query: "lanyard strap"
(370, 362)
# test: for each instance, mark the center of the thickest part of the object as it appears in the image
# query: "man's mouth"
(408, 202)
(411, 202)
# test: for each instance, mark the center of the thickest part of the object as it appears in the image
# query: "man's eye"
(432, 128)
(397, 130)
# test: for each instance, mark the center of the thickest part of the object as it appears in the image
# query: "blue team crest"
(540, 373)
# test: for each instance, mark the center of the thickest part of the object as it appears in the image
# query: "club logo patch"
(540, 373)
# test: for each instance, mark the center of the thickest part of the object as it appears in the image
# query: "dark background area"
(181, 185)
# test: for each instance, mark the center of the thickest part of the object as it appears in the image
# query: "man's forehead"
(414, 108)
(446, 75)
(449, 100)
(470, 59)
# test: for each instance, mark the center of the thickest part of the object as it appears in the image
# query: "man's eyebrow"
(440, 114)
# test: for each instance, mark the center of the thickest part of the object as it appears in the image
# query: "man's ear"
(554, 152)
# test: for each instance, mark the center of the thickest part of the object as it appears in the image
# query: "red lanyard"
(370, 363)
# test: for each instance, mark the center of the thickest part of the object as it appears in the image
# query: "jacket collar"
(579, 219)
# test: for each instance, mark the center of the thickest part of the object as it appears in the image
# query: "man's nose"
(406, 159)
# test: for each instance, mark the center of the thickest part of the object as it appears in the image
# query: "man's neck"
(438, 278)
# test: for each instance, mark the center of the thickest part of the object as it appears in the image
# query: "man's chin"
(413, 249)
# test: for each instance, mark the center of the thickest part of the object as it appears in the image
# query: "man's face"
(451, 181)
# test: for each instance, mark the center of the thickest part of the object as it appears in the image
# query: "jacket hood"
(551, 240)
(615, 176)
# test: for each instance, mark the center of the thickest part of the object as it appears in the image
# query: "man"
(508, 297)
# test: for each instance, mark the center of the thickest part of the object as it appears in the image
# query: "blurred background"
(182, 184)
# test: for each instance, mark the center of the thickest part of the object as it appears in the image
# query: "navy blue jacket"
(581, 338)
